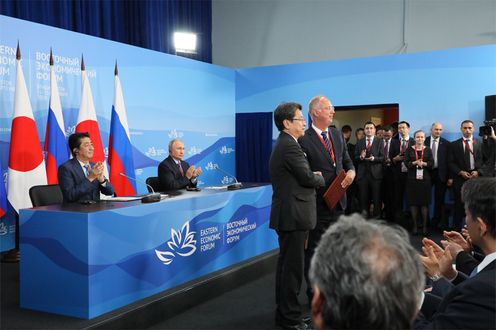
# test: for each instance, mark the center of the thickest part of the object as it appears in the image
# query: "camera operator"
(488, 148)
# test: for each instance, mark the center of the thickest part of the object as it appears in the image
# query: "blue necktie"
(474, 272)
(86, 170)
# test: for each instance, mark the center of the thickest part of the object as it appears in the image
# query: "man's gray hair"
(315, 102)
(369, 275)
(171, 143)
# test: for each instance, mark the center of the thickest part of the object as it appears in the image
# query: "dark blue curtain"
(253, 146)
(147, 24)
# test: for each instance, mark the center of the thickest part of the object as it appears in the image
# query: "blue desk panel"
(86, 260)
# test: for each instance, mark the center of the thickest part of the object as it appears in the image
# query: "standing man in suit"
(293, 211)
(173, 172)
(439, 174)
(405, 142)
(465, 161)
(471, 304)
(369, 153)
(389, 169)
(327, 153)
(79, 178)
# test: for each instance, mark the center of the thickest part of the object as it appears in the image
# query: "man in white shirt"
(471, 304)
(439, 174)
(464, 162)
(405, 142)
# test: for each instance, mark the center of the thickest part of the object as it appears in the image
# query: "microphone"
(149, 198)
(234, 186)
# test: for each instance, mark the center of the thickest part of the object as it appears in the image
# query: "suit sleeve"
(428, 158)
(459, 309)
(72, 191)
(379, 158)
(409, 158)
(108, 189)
(298, 165)
(168, 180)
(452, 164)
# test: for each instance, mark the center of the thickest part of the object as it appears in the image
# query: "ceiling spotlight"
(185, 42)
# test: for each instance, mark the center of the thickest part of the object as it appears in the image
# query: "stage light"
(185, 42)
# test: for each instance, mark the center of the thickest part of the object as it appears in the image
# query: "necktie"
(386, 150)
(434, 151)
(328, 146)
(86, 170)
(474, 272)
(180, 168)
(368, 144)
(404, 145)
(466, 154)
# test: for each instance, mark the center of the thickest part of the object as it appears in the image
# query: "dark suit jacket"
(442, 157)
(456, 159)
(394, 150)
(170, 176)
(465, 262)
(320, 160)
(293, 185)
(365, 167)
(410, 157)
(76, 187)
(469, 305)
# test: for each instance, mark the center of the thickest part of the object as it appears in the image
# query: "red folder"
(335, 191)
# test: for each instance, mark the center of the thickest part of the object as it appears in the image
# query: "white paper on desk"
(215, 188)
(121, 199)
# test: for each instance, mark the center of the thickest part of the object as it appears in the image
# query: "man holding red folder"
(326, 152)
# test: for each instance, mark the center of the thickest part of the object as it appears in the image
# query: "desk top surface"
(112, 205)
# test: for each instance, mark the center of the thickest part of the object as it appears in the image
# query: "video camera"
(486, 130)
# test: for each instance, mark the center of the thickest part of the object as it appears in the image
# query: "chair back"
(154, 182)
(45, 195)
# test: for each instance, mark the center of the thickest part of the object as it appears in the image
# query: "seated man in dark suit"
(173, 172)
(365, 275)
(470, 303)
(79, 178)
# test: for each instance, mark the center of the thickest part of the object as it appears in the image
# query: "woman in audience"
(419, 161)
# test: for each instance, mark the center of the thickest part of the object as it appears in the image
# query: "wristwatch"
(435, 277)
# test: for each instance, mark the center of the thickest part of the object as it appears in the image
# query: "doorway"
(357, 115)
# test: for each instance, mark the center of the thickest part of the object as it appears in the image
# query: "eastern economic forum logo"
(182, 243)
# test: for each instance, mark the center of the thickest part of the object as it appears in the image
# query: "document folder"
(335, 192)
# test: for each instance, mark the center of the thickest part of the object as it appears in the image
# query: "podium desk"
(86, 260)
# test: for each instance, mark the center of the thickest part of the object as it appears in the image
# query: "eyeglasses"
(299, 119)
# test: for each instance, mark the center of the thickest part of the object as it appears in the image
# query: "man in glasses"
(293, 211)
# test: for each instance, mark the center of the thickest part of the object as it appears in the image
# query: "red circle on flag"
(25, 149)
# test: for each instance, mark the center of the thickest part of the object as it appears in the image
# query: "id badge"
(420, 174)
(403, 167)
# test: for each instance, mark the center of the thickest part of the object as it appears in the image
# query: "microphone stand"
(149, 198)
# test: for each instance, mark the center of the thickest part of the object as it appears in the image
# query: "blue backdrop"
(447, 86)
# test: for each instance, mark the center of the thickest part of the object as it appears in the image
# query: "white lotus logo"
(182, 243)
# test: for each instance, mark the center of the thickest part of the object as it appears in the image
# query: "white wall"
(250, 33)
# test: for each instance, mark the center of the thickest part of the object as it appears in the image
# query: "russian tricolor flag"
(87, 121)
(56, 148)
(120, 149)
(26, 163)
